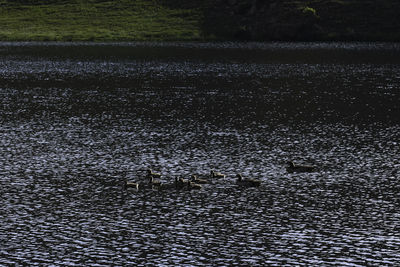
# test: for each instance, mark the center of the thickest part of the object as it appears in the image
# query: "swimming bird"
(214, 174)
(153, 174)
(247, 182)
(153, 182)
(164, 186)
(299, 168)
(180, 182)
(127, 185)
(191, 186)
(196, 180)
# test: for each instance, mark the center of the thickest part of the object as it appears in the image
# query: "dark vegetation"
(260, 20)
(351, 20)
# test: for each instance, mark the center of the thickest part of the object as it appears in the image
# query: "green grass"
(192, 20)
(79, 20)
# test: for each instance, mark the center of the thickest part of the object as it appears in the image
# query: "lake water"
(77, 120)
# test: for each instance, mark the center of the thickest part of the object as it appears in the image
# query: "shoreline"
(191, 21)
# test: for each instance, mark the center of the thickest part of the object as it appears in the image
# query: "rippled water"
(79, 119)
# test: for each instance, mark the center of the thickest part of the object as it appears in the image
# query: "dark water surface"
(79, 119)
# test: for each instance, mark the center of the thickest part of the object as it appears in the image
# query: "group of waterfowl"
(195, 183)
(180, 183)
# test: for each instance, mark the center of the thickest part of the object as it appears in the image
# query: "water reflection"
(75, 127)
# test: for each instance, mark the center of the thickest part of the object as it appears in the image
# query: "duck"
(150, 173)
(247, 182)
(299, 168)
(191, 186)
(197, 180)
(134, 185)
(214, 174)
(163, 186)
(180, 182)
(153, 182)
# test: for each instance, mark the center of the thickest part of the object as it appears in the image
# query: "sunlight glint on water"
(77, 120)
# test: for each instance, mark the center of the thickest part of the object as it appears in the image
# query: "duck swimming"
(247, 182)
(153, 182)
(163, 186)
(180, 182)
(196, 180)
(299, 168)
(214, 174)
(127, 185)
(191, 186)
(150, 173)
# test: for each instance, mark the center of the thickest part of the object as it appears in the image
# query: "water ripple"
(74, 127)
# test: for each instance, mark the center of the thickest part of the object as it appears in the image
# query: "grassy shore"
(193, 20)
(121, 20)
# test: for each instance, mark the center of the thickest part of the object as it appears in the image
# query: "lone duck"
(299, 168)
(214, 174)
(193, 186)
(150, 173)
(247, 182)
(196, 180)
(127, 185)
